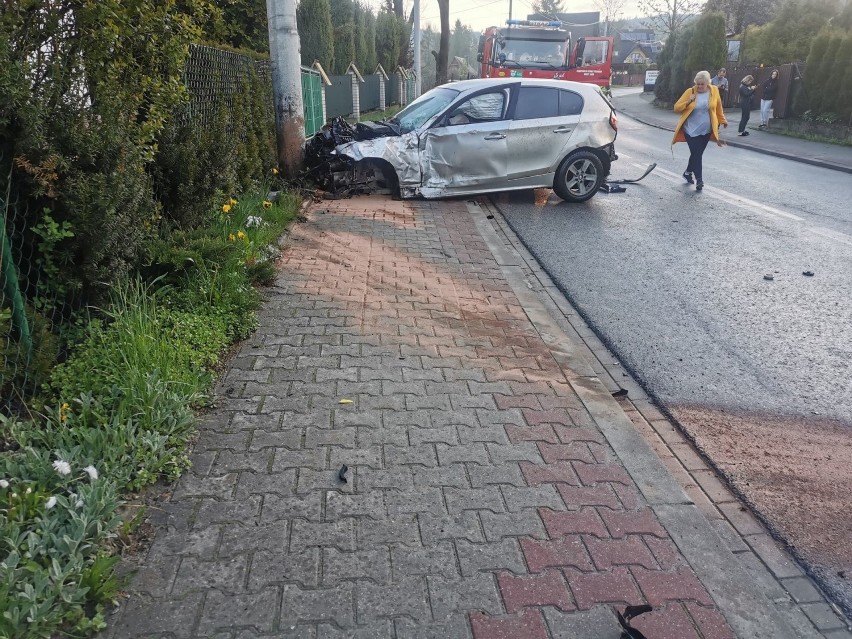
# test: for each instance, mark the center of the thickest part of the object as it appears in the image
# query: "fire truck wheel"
(579, 177)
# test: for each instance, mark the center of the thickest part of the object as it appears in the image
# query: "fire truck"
(542, 49)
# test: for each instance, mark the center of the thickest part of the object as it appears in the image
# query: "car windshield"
(533, 51)
(423, 108)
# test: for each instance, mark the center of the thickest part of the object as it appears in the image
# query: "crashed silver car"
(476, 136)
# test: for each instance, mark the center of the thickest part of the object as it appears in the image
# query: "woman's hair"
(748, 79)
(703, 76)
(774, 72)
(722, 70)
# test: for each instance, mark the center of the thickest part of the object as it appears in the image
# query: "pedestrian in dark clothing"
(746, 93)
(770, 87)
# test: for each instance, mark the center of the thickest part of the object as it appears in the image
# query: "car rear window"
(570, 103)
(537, 102)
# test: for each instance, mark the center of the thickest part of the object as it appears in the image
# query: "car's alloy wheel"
(579, 177)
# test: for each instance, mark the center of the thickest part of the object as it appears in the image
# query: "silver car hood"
(400, 151)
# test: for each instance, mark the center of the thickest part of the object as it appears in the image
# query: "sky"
(479, 14)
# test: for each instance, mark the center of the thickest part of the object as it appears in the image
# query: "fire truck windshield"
(532, 51)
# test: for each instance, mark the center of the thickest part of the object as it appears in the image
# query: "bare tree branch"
(669, 15)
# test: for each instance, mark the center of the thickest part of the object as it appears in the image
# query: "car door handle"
(563, 129)
(496, 136)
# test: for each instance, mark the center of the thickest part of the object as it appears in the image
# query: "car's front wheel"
(579, 177)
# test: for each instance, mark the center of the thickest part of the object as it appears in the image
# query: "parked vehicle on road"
(476, 136)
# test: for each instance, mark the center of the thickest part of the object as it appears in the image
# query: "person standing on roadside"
(770, 87)
(746, 93)
(701, 114)
(720, 81)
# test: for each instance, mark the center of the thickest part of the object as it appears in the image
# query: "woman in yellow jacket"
(701, 114)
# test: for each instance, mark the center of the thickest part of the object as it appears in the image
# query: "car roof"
(481, 83)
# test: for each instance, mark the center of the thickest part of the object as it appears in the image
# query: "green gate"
(312, 99)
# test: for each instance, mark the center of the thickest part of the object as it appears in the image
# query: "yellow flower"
(231, 237)
(63, 412)
(226, 208)
(274, 171)
(233, 202)
(241, 235)
(267, 204)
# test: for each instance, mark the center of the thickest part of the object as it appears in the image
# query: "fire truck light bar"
(534, 23)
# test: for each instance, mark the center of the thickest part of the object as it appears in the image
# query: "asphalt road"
(673, 279)
(758, 371)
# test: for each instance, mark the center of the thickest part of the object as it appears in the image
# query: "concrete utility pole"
(417, 85)
(286, 84)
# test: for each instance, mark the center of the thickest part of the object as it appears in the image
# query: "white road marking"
(746, 203)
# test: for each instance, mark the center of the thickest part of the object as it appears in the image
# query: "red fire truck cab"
(540, 49)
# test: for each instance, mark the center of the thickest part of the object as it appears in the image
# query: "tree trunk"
(443, 55)
(397, 8)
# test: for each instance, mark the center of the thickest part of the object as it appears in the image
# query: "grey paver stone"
(401, 529)
(276, 567)
(442, 434)
(327, 604)
(485, 498)
(289, 507)
(344, 436)
(217, 486)
(822, 616)
(463, 525)
(462, 402)
(241, 539)
(219, 441)
(285, 458)
(590, 624)
(229, 461)
(775, 559)
(395, 436)
(474, 452)
(370, 504)
(226, 575)
(456, 627)
(415, 500)
(289, 438)
(456, 418)
(214, 512)
(525, 522)
(398, 477)
(508, 473)
(423, 455)
(377, 629)
(373, 564)
(201, 542)
(439, 559)
(283, 483)
(470, 593)
(256, 610)
(146, 616)
(503, 555)
(311, 480)
(489, 433)
(453, 475)
(802, 590)
(404, 597)
(155, 577)
(361, 457)
(340, 534)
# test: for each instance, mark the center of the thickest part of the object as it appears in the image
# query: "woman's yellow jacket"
(717, 114)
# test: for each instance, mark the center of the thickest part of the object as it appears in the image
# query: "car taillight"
(613, 121)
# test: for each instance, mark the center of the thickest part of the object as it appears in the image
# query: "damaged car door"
(466, 150)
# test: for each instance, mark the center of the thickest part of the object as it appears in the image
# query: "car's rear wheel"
(579, 177)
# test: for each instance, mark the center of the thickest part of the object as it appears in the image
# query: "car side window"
(485, 107)
(570, 103)
(537, 102)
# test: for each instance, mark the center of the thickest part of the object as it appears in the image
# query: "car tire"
(579, 177)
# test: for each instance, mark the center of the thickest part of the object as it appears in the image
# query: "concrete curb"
(739, 145)
(742, 603)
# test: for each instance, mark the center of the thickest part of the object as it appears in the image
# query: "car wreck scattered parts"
(472, 137)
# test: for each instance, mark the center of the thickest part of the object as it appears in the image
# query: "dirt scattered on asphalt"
(796, 472)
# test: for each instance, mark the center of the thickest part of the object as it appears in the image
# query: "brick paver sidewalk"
(481, 498)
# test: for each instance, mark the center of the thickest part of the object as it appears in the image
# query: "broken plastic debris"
(341, 474)
(808, 273)
(769, 276)
(628, 632)
(621, 392)
(612, 188)
(345, 401)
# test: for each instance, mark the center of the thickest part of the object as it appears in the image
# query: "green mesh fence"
(312, 99)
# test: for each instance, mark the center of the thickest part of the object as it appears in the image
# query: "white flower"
(50, 503)
(254, 220)
(92, 471)
(62, 467)
(29, 491)
(4, 483)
